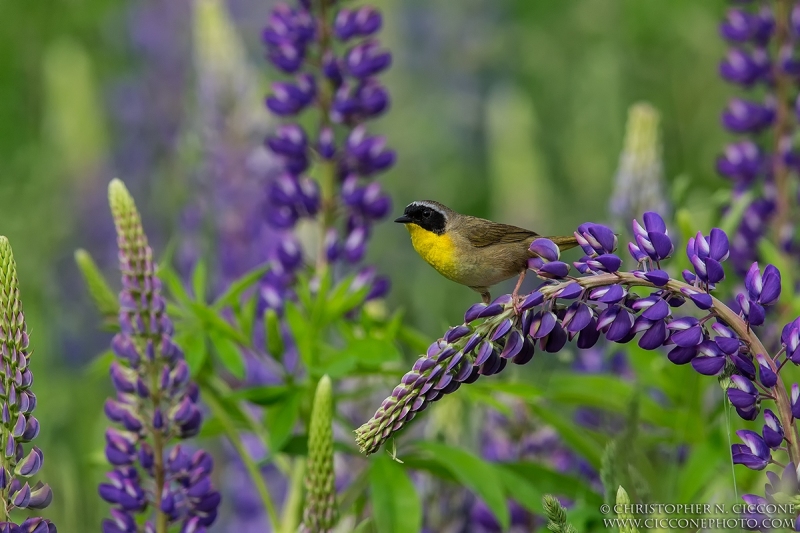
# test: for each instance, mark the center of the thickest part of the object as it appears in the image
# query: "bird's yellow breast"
(438, 250)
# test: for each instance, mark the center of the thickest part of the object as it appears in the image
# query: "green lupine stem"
(293, 507)
(319, 515)
(782, 126)
(327, 178)
(252, 468)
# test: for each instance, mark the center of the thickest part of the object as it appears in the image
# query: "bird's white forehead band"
(429, 205)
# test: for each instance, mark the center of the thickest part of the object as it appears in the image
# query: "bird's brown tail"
(564, 243)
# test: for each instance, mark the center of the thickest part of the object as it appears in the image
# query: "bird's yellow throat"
(437, 250)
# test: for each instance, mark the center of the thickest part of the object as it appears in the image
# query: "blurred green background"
(509, 109)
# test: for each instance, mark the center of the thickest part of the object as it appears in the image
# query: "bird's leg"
(486, 297)
(515, 294)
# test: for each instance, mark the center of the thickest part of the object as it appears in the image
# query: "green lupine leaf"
(174, 285)
(581, 440)
(236, 289)
(101, 365)
(246, 316)
(371, 352)
(264, 395)
(199, 281)
(209, 318)
(102, 295)
(302, 333)
(527, 482)
(272, 330)
(733, 217)
(229, 354)
(280, 420)
(195, 351)
(474, 473)
(396, 506)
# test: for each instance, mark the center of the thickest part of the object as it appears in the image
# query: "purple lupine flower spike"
(19, 426)
(151, 413)
(349, 155)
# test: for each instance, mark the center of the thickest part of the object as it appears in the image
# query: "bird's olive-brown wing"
(483, 233)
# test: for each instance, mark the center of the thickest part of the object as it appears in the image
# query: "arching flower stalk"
(19, 426)
(600, 303)
(155, 402)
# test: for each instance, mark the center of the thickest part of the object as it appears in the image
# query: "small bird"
(469, 250)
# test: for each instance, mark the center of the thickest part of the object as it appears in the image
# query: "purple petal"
(740, 398)
(582, 316)
(658, 311)
(654, 222)
(681, 356)
(525, 354)
(688, 337)
(727, 345)
(662, 244)
(719, 247)
(502, 328)
(605, 236)
(771, 285)
(555, 269)
(708, 366)
(473, 312)
(589, 336)
(556, 340)
(659, 278)
(513, 345)
(620, 327)
(543, 324)
(609, 295)
(570, 292)
(532, 300)
(546, 249)
(714, 271)
(655, 336)
(610, 262)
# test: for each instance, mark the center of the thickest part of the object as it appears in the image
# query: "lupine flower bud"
(150, 417)
(319, 514)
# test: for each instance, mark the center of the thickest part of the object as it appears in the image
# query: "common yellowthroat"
(469, 250)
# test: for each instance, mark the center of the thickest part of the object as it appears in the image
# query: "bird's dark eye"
(426, 213)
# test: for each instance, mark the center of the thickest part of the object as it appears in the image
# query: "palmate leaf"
(474, 473)
(396, 507)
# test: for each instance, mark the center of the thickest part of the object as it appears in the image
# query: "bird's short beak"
(402, 220)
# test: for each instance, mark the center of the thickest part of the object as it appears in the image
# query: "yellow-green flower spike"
(623, 512)
(319, 515)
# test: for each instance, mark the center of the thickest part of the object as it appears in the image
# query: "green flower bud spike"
(556, 515)
(623, 512)
(131, 239)
(319, 515)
